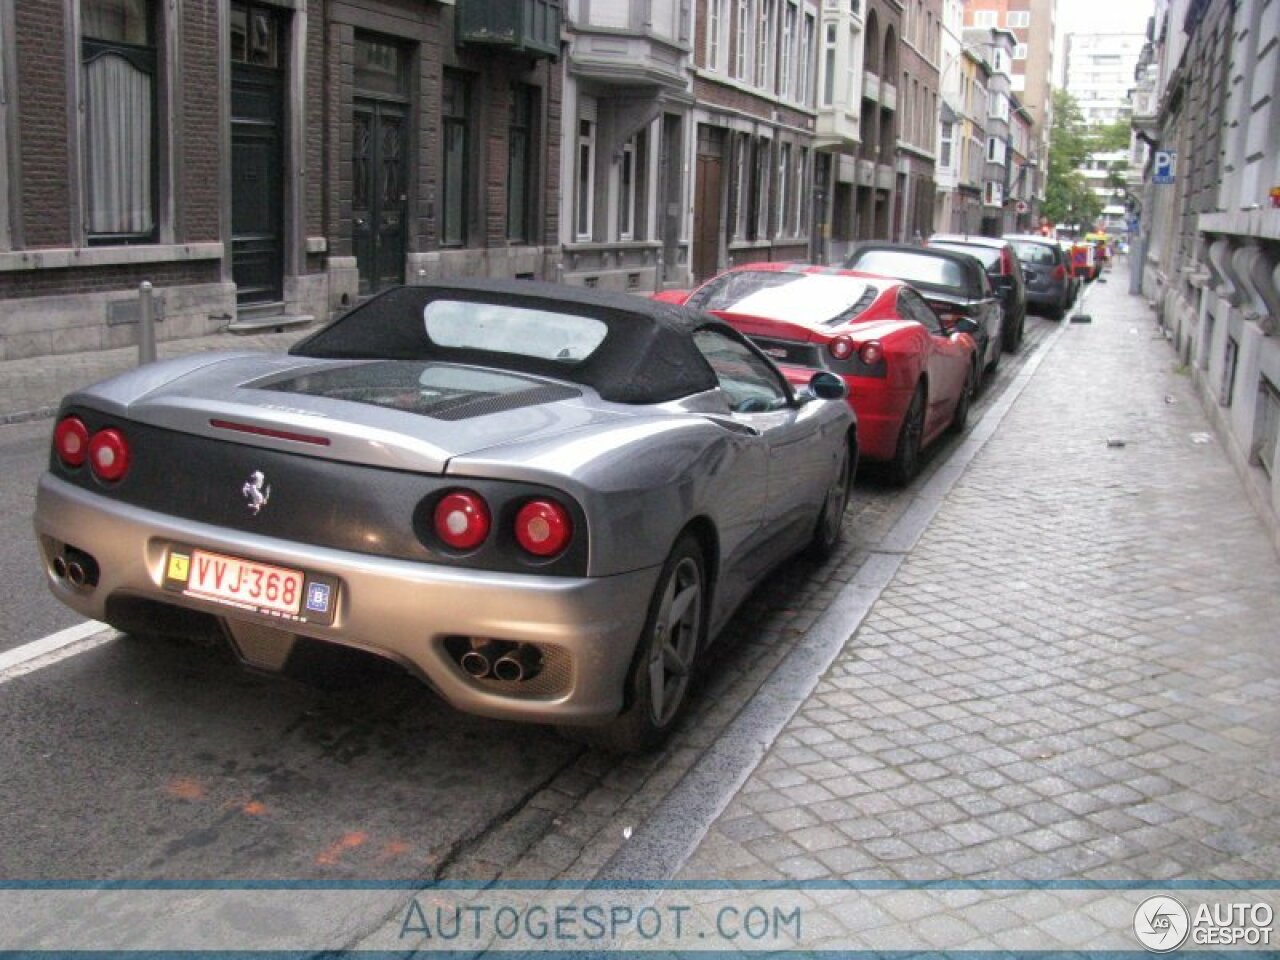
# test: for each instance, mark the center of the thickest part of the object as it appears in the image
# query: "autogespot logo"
(1161, 924)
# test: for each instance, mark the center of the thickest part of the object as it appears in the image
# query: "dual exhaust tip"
(501, 660)
(76, 567)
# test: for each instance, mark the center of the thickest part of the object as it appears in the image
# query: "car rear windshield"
(800, 297)
(1040, 254)
(990, 256)
(499, 328)
(729, 288)
(914, 268)
(440, 390)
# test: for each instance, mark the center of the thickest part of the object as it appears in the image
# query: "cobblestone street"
(1074, 674)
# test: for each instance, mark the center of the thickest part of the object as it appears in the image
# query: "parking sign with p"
(1162, 165)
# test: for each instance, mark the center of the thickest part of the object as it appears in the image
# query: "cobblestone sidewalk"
(1074, 675)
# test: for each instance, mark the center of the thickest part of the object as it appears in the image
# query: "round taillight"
(109, 454)
(841, 348)
(543, 528)
(462, 520)
(71, 440)
(871, 353)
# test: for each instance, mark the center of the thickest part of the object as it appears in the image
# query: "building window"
(764, 42)
(760, 195)
(454, 180)
(1228, 373)
(1018, 19)
(944, 153)
(784, 188)
(380, 67)
(790, 15)
(741, 39)
(804, 83)
(994, 194)
(829, 67)
(585, 189)
(520, 165)
(1020, 51)
(851, 71)
(741, 185)
(984, 18)
(802, 196)
(1267, 425)
(118, 63)
(627, 189)
(715, 26)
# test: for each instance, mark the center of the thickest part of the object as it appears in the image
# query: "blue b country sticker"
(318, 597)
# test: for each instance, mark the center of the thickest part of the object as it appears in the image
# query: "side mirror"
(827, 386)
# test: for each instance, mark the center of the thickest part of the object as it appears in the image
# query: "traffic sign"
(1162, 166)
(1021, 206)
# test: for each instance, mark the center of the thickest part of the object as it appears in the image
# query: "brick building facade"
(259, 161)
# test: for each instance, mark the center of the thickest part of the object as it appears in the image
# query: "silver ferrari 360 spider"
(541, 500)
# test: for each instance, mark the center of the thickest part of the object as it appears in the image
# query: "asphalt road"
(167, 760)
(27, 609)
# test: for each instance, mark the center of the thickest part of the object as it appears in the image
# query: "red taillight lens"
(1059, 272)
(109, 454)
(543, 528)
(1006, 262)
(841, 348)
(462, 520)
(71, 440)
(871, 353)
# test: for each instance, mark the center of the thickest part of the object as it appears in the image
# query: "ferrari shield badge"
(256, 492)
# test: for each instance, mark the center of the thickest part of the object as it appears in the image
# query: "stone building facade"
(1208, 256)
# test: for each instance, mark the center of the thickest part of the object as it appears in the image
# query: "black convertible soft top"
(647, 356)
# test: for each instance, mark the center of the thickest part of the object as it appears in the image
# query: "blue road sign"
(1162, 166)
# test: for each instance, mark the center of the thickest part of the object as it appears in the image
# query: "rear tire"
(995, 360)
(662, 670)
(906, 458)
(830, 523)
(1012, 338)
(961, 416)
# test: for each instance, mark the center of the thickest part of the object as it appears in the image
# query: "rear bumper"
(880, 410)
(402, 610)
(1052, 298)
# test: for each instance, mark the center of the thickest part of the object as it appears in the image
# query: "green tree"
(1068, 198)
(1109, 137)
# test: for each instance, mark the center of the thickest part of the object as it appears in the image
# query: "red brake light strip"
(270, 432)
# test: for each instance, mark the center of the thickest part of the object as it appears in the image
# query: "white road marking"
(47, 651)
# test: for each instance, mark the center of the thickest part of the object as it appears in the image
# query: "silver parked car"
(1046, 268)
(543, 501)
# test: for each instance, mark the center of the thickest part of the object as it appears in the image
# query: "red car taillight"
(841, 348)
(71, 441)
(871, 353)
(462, 519)
(109, 454)
(543, 528)
(1006, 262)
(1059, 272)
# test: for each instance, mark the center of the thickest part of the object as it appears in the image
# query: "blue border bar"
(655, 885)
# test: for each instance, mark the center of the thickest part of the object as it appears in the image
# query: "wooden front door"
(707, 220)
(378, 198)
